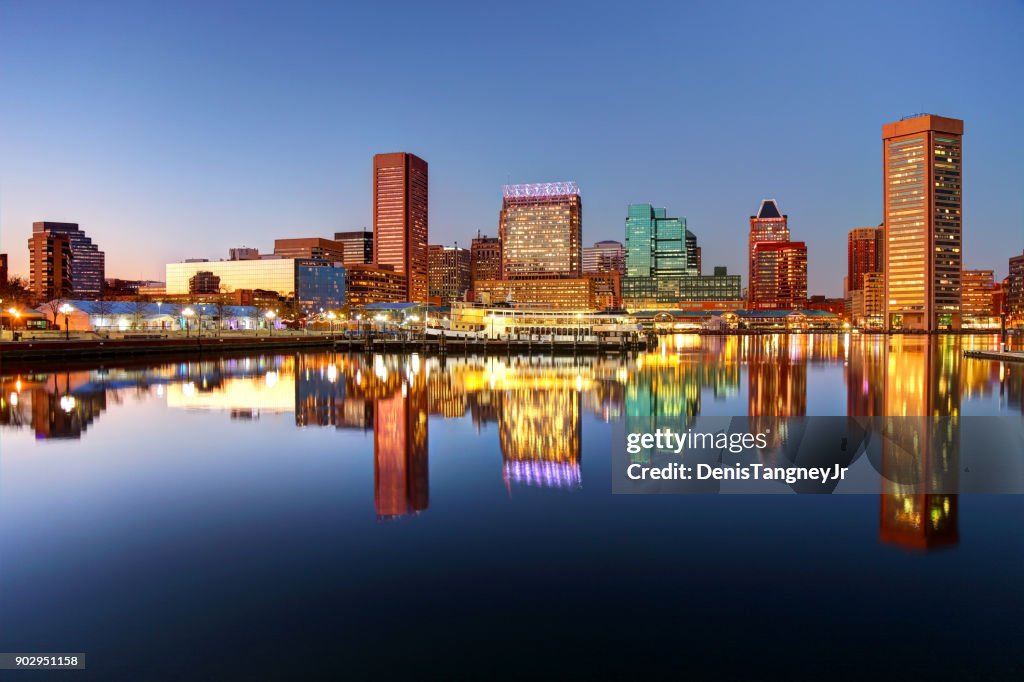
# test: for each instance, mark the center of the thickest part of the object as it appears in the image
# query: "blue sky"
(174, 130)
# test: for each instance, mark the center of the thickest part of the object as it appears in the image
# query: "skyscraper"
(780, 276)
(358, 246)
(484, 259)
(978, 289)
(88, 263)
(50, 259)
(449, 272)
(864, 254)
(1014, 294)
(921, 164)
(605, 256)
(540, 227)
(400, 230)
(769, 225)
(656, 257)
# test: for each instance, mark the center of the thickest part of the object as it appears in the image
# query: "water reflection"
(539, 405)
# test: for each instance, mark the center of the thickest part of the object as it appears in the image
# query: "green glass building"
(657, 257)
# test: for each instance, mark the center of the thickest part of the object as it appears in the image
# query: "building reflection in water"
(776, 384)
(920, 457)
(400, 461)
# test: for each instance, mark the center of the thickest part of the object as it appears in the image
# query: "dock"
(1001, 356)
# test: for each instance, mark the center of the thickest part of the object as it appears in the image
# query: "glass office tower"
(656, 257)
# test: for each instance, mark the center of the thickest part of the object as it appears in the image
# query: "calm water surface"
(299, 516)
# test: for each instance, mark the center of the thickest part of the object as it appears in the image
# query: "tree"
(15, 293)
(103, 309)
(53, 307)
(139, 304)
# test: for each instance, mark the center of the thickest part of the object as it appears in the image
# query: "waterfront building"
(400, 215)
(366, 284)
(449, 272)
(50, 258)
(88, 315)
(780, 275)
(243, 253)
(656, 257)
(867, 304)
(484, 260)
(87, 262)
(311, 283)
(922, 184)
(720, 286)
(310, 247)
(976, 294)
(769, 225)
(566, 293)
(605, 256)
(540, 227)
(358, 246)
(544, 323)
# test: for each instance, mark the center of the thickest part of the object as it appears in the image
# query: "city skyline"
(158, 147)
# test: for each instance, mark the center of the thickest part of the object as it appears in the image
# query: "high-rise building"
(540, 228)
(864, 254)
(1014, 290)
(922, 182)
(484, 259)
(310, 247)
(358, 246)
(449, 272)
(49, 261)
(769, 225)
(656, 257)
(88, 263)
(400, 230)
(605, 256)
(977, 290)
(779, 280)
(692, 253)
(867, 304)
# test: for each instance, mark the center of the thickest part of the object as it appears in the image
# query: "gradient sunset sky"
(177, 130)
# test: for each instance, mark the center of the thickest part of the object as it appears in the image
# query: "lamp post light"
(66, 309)
(188, 313)
(270, 315)
(332, 317)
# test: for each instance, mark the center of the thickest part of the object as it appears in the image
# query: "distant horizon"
(169, 134)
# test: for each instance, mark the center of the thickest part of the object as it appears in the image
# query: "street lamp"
(66, 309)
(188, 313)
(270, 320)
(332, 317)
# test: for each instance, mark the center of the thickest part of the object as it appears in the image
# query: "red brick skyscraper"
(780, 276)
(400, 219)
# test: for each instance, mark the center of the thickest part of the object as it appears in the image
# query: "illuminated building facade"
(864, 254)
(976, 298)
(769, 225)
(357, 246)
(310, 247)
(204, 282)
(569, 293)
(87, 264)
(922, 183)
(50, 258)
(779, 276)
(867, 304)
(540, 227)
(656, 257)
(400, 228)
(311, 283)
(365, 284)
(605, 256)
(1014, 290)
(449, 272)
(485, 257)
